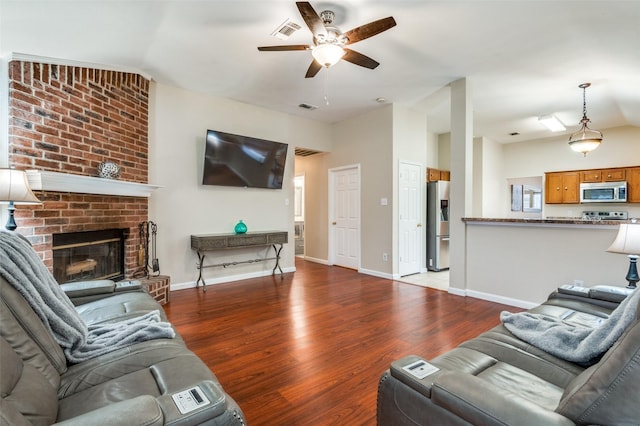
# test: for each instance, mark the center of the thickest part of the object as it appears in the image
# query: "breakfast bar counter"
(550, 221)
(521, 261)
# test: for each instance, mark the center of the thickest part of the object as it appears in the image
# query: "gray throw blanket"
(23, 269)
(572, 342)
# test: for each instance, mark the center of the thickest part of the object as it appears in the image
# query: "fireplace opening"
(89, 255)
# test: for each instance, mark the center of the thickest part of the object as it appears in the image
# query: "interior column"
(461, 189)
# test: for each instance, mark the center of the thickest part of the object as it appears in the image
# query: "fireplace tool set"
(148, 234)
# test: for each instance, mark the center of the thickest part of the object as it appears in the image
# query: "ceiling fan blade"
(313, 69)
(359, 59)
(284, 48)
(311, 18)
(369, 30)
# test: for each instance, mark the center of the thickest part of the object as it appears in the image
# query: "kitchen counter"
(550, 221)
(520, 262)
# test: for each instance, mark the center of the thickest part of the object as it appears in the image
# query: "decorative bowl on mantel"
(108, 170)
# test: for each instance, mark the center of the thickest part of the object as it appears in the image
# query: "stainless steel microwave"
(603, 192)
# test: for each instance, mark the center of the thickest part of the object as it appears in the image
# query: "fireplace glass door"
(91, 255)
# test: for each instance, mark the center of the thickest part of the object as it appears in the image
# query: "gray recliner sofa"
(498, 379)
(154, 382)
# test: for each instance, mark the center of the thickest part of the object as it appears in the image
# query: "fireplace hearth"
(89, 255)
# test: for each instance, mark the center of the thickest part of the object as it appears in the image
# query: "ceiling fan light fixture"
(585, 140)
(327, 54)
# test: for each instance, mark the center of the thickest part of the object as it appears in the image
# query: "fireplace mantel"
(40, 180)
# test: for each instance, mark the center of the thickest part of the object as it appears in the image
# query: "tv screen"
(234, 160)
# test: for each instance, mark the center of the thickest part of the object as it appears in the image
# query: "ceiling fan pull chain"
(326, 87)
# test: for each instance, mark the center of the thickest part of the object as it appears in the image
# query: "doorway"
(298, 214)
(344, 216)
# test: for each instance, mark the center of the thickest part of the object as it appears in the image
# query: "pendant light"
(585, 140)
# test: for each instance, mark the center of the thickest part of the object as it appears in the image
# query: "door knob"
(419, 225)
(334, 223)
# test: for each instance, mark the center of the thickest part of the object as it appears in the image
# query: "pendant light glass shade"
(327, 54)
(585, 140)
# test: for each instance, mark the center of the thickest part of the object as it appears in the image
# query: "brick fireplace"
(68, 119)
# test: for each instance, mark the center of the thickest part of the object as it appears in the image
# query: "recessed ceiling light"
(381, 100)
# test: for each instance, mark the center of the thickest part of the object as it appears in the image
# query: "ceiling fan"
(328, 41)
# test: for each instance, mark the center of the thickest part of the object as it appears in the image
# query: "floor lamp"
(628, 242)
(14, 189)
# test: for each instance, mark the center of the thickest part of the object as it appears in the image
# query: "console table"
(214, 242)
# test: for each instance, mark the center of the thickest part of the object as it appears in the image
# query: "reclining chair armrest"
(81, 292)
(141, 410)
(85, 291)
(480, 402)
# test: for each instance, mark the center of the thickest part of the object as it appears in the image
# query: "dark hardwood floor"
(308, 349)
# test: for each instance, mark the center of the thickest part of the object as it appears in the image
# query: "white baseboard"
(457, 291)
(493, 298)
(229, 278)
(315, 260)
(375, 273)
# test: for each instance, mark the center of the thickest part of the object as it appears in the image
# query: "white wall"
(492, 159)
(368, 140)
(183, 206)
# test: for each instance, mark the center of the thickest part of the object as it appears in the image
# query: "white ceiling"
(523, 58)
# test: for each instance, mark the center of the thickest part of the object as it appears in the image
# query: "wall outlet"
(578, 283)
(385, 257)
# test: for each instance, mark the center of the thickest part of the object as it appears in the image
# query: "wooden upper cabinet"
(614, 175)
(604, 175)
(562, 187)
(436, 174)
(591, 176)
(633, 185)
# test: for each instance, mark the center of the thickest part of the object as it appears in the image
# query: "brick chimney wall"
(69, 119)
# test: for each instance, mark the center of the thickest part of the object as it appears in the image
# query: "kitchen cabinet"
(434, 175)
(562, 187)
(604, 175)
(633, 185)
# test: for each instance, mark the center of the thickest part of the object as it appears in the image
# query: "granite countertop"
(548, 220)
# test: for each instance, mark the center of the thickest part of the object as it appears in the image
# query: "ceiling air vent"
(284, 31)
(302, 152)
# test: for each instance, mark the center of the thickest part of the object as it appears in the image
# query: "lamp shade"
(14, 187)
(327, 54)
(628, 239)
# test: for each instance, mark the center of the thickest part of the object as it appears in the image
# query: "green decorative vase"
(240, 228)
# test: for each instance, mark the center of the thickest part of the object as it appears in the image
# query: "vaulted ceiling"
(523, 58)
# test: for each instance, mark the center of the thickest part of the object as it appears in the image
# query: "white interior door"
(410, 218)
(345, 217)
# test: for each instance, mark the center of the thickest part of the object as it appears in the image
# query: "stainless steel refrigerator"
(438, 225)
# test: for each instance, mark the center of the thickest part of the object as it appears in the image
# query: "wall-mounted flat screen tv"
(234, 160)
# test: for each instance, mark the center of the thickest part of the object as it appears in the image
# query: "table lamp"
(14, 189)
(628, 242)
